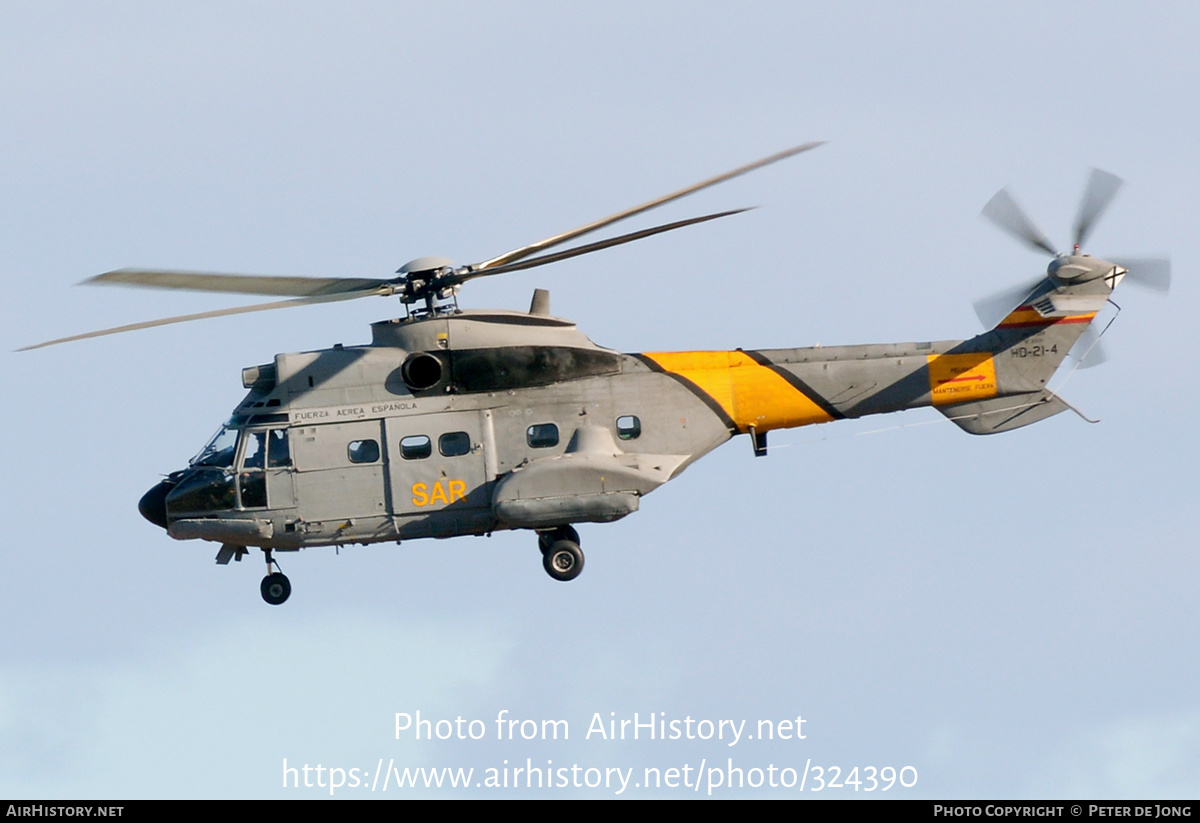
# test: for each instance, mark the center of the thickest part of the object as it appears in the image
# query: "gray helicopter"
(464, 422)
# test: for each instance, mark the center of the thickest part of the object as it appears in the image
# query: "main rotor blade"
(1102, 187)
(597, 246)
(1153, 273)
(994, 308)
(232, 283)
(381, 291)
(1005, 213)
(549, 242)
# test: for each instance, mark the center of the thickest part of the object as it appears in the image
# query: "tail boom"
(991, 383)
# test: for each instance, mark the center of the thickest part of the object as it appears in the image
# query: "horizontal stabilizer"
(1001, 414)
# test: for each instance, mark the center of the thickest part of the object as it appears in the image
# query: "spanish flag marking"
(1026, 316)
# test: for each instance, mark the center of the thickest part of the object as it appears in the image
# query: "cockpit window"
(202, 490)
(219, 451)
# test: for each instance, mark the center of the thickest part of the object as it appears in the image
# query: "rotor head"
(1076, 267)
(1082, 268)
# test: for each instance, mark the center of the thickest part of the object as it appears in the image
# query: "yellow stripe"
(751, 394)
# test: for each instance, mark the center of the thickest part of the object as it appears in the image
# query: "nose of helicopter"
(153, 504)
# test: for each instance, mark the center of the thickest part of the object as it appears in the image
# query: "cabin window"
(542, 436)
(629, 427)
(453, 444)
(363, 451)
(416, 447)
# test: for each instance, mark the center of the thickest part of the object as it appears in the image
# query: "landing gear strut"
(561, 556)
(275, 586)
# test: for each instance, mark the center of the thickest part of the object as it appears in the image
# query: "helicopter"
(454, 422)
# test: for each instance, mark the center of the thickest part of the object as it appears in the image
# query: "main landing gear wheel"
(276, 588)
(563, 560)
(546, 539)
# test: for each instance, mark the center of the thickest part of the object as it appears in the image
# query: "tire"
(563, 560)
(275, 588)
(546, 539)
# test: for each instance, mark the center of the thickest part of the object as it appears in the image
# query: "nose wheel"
(275, 586)
(561, 556)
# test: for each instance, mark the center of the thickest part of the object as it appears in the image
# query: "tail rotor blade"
(1102, 187)
(991, 310)
(1153, 273)
(1088, 349)
(1003, 210)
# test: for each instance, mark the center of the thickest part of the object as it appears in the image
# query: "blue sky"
(1010, 616)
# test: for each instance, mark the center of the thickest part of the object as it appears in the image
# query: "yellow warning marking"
(956, 378)
(751, 394)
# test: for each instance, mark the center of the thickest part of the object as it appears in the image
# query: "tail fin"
(1001, 414)
(1026, 348)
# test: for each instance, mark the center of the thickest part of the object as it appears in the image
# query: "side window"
(278, 456)
(629, 427)
(254, 489)
(453, 444)
(363, 451)
(542, 436)
(416, 447)
(253, 480)
(256, 447)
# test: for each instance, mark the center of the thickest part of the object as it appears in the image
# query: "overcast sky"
(1012, 616)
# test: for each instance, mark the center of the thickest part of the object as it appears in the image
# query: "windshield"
(219, 451)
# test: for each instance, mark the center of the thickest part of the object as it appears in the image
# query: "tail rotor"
(1153, 273)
